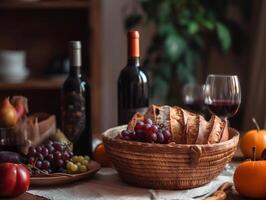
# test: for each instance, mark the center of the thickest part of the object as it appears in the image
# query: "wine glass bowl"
(11, 139)
(222, 95)
(193, 97)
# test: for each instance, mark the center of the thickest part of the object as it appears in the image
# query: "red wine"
(75, 104)
(195, 106)
(224, 108)
(133, 87)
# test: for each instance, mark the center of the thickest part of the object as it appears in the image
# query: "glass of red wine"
(223, 95)
(193, 97)
(223, 98)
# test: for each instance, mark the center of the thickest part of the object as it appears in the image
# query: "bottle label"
(73, 115)
(126, 114)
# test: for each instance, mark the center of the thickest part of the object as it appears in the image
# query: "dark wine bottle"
(133, 85)
(75, 104)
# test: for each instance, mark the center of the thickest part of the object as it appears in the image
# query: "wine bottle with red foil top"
(133, 84)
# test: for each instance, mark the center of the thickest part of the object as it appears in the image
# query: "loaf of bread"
(186, 127)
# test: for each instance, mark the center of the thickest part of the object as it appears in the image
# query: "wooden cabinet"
(42, 29)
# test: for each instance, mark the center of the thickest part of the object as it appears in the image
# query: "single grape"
(139, 126)
(160, 137)
(39, 149)
(124, 133)
(57, 155)
(140, 136)
(82, 168)
(32, 151)
(45, 152)
(71, 167)
(68, 165)
(87, 158)
(151, 138)
(126, 138)
(50, 148)
(146, 128)
(39, 156)
(65, 156)
(71, 154)
(78, 163)
(80, 159)
(31, 160)
(59, 163)
(148, 121)
(46, 165)
(58, 146)
(38, 164)
(133, 136)
(74, 168)
(85, 162)
(153, 129)
(167, 135)
(50, 157)
(74, 159)
(49, 142)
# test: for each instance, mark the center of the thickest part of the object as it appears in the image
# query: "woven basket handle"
(195, 154)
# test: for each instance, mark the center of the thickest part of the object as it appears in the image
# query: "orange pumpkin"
(253, 138)
(101, 157)
(250, 179)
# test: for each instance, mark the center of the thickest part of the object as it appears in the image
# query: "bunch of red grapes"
(146, 131)
(50, 157)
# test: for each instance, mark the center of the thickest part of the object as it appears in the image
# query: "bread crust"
(186, 127)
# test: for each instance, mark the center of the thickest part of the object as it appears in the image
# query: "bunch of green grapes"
(78, 164)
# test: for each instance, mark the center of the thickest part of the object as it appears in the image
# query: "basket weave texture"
(168, 166)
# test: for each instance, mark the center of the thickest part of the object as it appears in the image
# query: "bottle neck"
(133, 48)
(75, 71)
(75, 58)
(133, 61)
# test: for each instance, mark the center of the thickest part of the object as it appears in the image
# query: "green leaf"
(224, 36)
(193, 28)
(166, 28)
(208, 24)
(174, 47)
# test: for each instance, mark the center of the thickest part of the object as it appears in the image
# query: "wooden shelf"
(42, 29)
(56, 4)
(32, 84)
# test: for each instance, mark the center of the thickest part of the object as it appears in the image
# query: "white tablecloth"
(106, 185)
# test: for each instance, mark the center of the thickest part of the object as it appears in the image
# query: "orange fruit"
(101, 157)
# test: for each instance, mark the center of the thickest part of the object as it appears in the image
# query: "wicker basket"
(168, 166)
